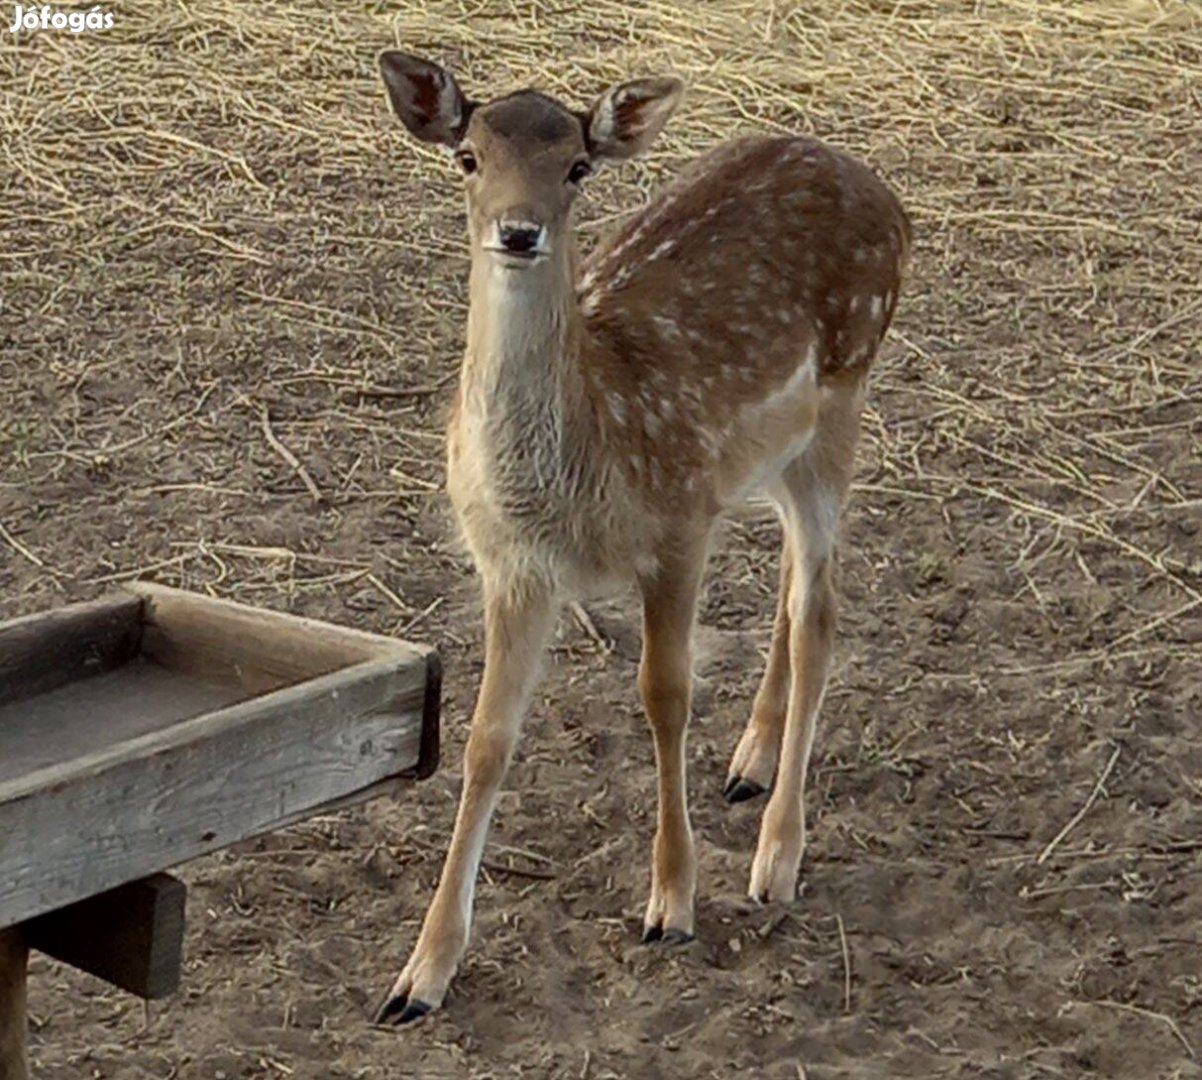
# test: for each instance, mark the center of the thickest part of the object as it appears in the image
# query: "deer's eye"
(579, 171)
(467, 162)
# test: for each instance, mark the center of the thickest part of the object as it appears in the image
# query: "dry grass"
(214, 166)
(233, 298)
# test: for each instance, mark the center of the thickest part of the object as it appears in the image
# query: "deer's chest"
(521, 495)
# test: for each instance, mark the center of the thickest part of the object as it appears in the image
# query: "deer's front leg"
(665, 678)
(517, 623)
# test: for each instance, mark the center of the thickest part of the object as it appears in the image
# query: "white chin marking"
(505, 261)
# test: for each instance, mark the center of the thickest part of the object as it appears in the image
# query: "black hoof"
(676, 937)
(667, 937)
(739, 790)
(400, 1010)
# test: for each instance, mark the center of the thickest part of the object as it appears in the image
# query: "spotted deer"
(609, 412)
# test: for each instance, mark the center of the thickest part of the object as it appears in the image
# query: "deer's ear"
(626, 118)
(425, 97)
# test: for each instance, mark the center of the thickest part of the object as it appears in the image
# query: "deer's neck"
(523, 343)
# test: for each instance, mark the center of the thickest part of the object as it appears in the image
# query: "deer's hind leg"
(811, 492)
(753, 764)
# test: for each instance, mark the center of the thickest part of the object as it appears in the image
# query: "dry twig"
(846, 964)
(1150, 1014)
(289, 457)
(1076, 818)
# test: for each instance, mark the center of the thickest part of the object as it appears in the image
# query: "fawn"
(608, 414)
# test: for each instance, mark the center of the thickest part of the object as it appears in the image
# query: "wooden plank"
(70, 831)
(262, 650)
(265, 650)
(39, 653)
(85, 716)
(428, 756)
(131, 936)
(14, 957)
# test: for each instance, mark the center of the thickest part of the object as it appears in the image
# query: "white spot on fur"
(668, 328)
(662, 248)
(617, 408)
(878, 305)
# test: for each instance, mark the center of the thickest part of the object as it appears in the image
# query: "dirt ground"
(207, 217)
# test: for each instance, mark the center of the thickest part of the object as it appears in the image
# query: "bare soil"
(207, 218)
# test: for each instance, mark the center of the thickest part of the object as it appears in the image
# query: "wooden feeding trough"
(145, 729)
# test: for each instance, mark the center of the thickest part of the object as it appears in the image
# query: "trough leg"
(14, 962)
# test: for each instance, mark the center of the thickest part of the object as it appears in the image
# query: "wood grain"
(262, 650)
(78, 828)
(83, 717)
(228, 722)
(39, 653)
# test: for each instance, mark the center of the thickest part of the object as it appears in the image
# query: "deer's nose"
(520, 237)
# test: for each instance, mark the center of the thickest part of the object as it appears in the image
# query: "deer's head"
(525, 155)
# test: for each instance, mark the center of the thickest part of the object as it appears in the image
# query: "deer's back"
(721, 314)
(762, 245)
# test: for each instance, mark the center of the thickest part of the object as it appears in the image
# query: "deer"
(611, 411)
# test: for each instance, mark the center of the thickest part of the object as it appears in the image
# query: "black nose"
(520, 237)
